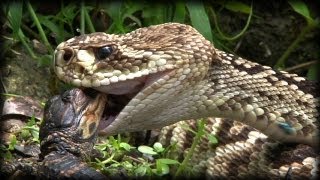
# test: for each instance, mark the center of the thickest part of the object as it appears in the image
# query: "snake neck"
(281, 105)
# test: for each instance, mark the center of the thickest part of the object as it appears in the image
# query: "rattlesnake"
(162, 74)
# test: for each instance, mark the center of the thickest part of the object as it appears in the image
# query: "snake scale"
(162, 74)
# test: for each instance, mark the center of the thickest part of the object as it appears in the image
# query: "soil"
(21, 75)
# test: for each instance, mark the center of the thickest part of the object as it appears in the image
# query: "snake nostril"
(68, 54)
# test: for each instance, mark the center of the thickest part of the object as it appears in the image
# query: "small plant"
(141, 161)
(5, 151)
(162, 164)
(30, 132)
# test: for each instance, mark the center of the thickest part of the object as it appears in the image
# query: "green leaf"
(8, 155)
(158, 147)
(313, 72)
(146, 150)
(45, 61)
(127, 165)
(114, 9)
(187, 127)
(238, 6)
(199, 18)
(125, 146)
(134, 19)
(25, 134)
(301, 8)
(140, 171)
(47, 22)
(15, 15)
(31, 121)
(155, 13)
(101, 147)
(168, 161)
(69, 12)
(13, 142)
(35, 135)
(161, 168)
(3, 148)
(179, 13)
(212, 139)
(130, 9)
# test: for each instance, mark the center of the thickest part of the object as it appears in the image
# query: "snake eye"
(104, 52)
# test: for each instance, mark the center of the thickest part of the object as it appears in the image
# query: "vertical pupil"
(104, 52)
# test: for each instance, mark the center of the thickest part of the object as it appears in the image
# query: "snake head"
(71, 118)
(121, 64)
(148, 64)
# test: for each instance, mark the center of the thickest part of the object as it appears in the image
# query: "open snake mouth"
(113, 108)
(120, 94)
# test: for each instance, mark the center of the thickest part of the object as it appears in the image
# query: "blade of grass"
(50, 24)
(114, 9)
(180, 12)
(25, 44)
(237, 6)
(155, 14)
(199, 134)
(15, 15)
(224, 36)
(88, 21)
(313, 72)
(199, 18)
(301, 8)
(82, 18)
(37, 23)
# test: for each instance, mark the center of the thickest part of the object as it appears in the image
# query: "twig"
(135, 159)
(306, 64)
(3, 87)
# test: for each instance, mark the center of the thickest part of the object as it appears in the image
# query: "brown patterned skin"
(242, 152)
(162, 74)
